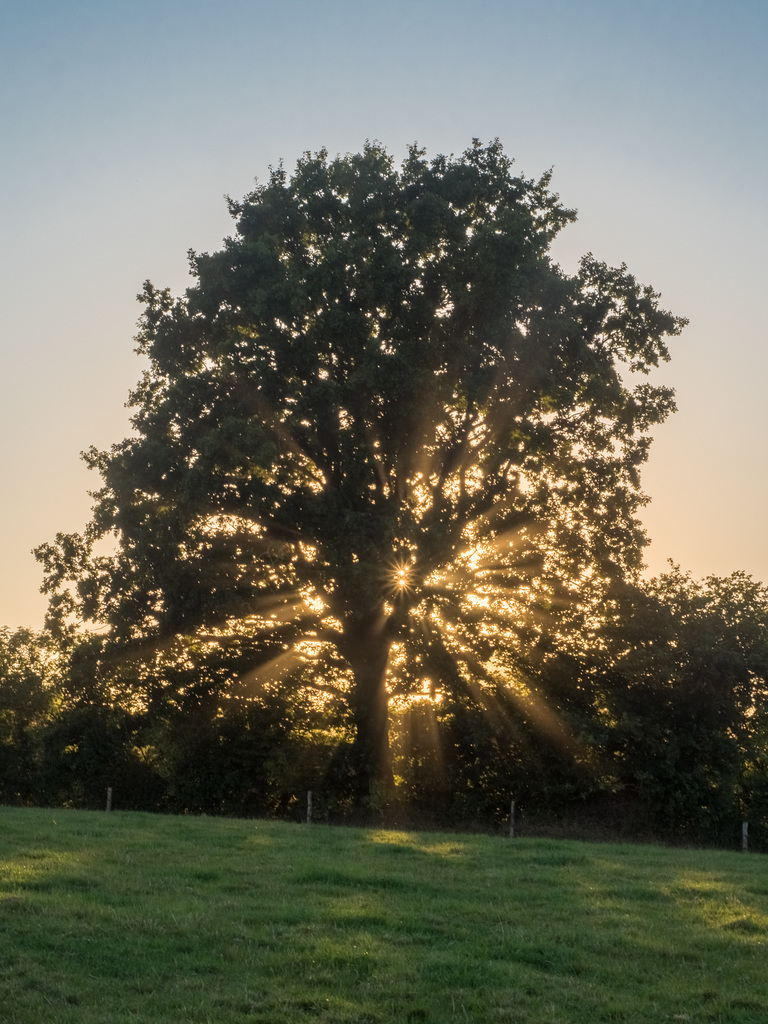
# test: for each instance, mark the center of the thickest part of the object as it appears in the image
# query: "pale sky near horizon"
(123, 124)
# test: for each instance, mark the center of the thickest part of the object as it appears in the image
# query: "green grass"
(139, 918)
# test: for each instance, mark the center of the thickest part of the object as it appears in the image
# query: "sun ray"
(272, 671)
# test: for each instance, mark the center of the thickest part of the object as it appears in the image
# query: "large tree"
(380, 429)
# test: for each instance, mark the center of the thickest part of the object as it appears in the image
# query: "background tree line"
(653, 722)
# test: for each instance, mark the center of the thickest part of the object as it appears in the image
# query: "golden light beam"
(544, 718)
(273, 670)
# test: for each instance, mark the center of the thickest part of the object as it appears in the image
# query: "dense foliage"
(384, 447)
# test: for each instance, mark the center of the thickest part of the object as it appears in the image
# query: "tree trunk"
(367, 645)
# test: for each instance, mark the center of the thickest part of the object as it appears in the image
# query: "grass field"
(139, 918)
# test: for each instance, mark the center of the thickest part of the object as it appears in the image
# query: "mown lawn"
(128, 917)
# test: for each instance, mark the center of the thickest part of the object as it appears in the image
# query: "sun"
(402, 575)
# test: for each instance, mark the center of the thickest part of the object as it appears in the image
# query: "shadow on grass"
(130, 917)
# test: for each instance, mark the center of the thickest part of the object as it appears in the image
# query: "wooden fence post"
(109, 798)
(744, 837)
(309, 806)
(512, 820)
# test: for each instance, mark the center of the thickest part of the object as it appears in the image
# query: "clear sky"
(123, 124)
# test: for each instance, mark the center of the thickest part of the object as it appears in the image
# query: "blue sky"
(124, 123)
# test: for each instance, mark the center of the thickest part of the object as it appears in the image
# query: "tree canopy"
(380, 436)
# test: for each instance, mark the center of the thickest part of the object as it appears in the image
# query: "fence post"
(309, 806)
(744, 837)
(512, 820)
(109, 798)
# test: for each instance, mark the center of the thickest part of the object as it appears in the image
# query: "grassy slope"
(132, 917)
